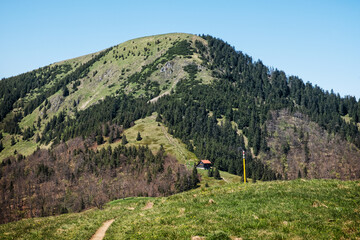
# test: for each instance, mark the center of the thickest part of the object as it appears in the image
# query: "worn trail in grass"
(300, 209)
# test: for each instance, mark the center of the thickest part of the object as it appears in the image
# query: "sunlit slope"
(300, 209)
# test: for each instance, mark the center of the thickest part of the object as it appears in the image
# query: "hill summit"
(196, 94)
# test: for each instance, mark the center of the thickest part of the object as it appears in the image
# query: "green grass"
(22, 147)
(300, 209)
(154, 136)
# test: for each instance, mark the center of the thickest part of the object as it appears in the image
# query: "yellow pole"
(244, 167)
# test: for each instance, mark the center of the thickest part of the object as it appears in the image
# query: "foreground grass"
(316, 209)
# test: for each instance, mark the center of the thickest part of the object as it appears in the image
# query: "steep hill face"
(301, 148)
(214, 100)
(143, 68)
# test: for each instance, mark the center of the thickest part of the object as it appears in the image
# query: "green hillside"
(105, 77)
(154, 135)
(125, 121)
(301, 209)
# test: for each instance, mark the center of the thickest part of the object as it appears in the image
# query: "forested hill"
(216, 100)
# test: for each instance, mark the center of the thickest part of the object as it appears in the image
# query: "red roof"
(205, 161)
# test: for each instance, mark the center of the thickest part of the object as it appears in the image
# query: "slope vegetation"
(300, 209)
(144, 68)
(301, 148)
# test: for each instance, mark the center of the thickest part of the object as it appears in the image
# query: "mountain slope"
(202, 72)
(103, 77)
(205, 99)
(300, 209)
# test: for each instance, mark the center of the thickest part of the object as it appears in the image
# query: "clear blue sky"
(319, 41)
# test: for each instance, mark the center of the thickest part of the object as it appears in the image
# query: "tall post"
(244, 167)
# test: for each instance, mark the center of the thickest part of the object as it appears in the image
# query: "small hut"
(204, 164)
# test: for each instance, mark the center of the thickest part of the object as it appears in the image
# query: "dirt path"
(100, 233)
(225, 179)
(149, 205)
(165, 93)
(172, 142)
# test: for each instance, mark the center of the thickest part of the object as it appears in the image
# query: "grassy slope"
(300, 209)
(154, 135)
(22, 147)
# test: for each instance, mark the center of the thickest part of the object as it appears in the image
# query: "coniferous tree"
(138, 138)
(194, 177)
(306, 149)
(264, 146)
(217, 174)
(111, 137)
(210, 172)
(12, 141)
(124, 141)
(106, 130)
(38, 122)
(99, 139)
(117, 134)
(257, 141)
(65, 91)
(158, 118)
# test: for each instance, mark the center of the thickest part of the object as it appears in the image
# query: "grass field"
(22, 147)
(154, 135)
(300, 209)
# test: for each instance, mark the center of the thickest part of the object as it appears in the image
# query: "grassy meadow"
(154, 135)
(299, 209)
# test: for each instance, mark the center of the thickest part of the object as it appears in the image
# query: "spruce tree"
(217, 174)
(65, 91)
(13, 141)
(194, 177)
(111, 137)
(124, 141)
(306, 149)
(99, 139)
(210, 172)
(38, 122)
(106, 130)
(257, 141)
(138, 138)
